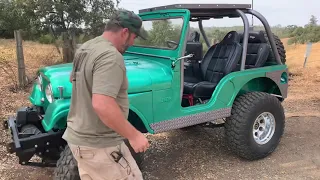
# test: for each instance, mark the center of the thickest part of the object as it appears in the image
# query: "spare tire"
(280, 47)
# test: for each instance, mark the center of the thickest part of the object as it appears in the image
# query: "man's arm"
(108, 77)
(109, 112)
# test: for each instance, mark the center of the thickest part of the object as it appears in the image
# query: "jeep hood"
(143, 75)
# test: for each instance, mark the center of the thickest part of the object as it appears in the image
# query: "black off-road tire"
(29, 130)
(239, 127)
(280, 47)
(67, 169)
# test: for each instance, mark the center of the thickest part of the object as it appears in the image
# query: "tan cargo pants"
(98, 164)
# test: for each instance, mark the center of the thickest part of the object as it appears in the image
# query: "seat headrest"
(231, 37)
(254, 37)
(194, 37)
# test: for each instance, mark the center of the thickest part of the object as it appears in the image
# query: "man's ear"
(125, 32)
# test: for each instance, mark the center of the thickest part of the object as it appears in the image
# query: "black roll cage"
(201, 12)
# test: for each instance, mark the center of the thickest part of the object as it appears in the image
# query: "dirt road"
(201, 154)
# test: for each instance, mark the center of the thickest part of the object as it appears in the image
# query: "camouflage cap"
(130, 20)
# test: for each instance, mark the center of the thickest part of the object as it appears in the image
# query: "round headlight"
(49, 93)
(39, 82)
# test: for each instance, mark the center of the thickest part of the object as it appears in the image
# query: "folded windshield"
(161, 33)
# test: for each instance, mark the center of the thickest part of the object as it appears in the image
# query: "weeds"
(35, 55)
(7, 68)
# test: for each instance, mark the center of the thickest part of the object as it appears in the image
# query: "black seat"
(194, 46)
(194, 37)
(257, 51)
(219, 61)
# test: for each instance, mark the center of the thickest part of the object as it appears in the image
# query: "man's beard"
(125, 46)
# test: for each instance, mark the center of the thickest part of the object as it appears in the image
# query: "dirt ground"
(202, 154)
(199, 153)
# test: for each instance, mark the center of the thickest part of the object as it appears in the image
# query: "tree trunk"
(68, 47)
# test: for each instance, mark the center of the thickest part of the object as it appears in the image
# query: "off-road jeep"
(174, 84)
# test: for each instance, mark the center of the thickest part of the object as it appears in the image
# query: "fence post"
(20, 58)
(307, 54)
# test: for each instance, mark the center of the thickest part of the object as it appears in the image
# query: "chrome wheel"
(263, 128)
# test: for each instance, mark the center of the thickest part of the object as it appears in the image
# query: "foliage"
(313, 21)
(162, 31)
(46, 39)
(217, 35)
(37, 17)
(309, 33)
(72, 14)
(86, 19)
(13, 17)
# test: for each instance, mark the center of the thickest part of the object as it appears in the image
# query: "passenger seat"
(257, 52)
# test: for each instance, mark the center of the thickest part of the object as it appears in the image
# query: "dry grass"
(36, 55)
(304, 86)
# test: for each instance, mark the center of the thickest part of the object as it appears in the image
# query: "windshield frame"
(164, 48)
(164, 53)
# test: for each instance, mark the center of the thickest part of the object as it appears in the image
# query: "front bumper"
(15, 145)
(46, 145)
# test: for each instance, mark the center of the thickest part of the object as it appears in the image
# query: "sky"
(277, 12)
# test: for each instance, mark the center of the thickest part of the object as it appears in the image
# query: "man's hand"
(71, 77)
(109, 112)
(139, 143)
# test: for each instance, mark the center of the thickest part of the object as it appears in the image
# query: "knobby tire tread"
(66, 168)
(236, 124)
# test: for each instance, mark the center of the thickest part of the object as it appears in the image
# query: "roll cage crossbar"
(199, 12)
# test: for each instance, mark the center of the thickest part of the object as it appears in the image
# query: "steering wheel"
(171, 42)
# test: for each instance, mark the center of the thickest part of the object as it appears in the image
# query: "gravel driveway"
(201, 154)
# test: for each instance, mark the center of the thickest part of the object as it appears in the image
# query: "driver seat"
(194, 37)
(219, 61)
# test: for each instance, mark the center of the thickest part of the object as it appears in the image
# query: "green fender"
(142, 117)
(266, 79)
(36, 96)
(56, 114)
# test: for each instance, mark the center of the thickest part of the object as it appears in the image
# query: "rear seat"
(257, 52)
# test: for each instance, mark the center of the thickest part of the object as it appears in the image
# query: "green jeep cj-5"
(238, 83)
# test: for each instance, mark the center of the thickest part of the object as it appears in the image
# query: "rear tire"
(243, 127)
(280, 47)
(67, 169)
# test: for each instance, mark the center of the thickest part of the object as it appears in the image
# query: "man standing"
(97, 122)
